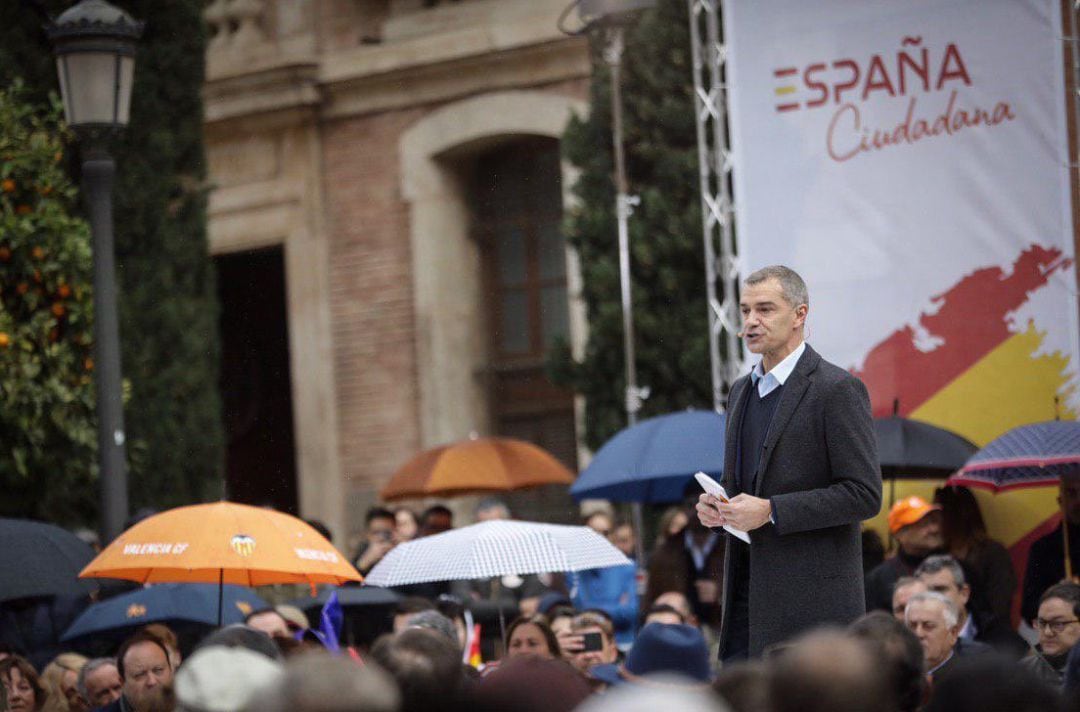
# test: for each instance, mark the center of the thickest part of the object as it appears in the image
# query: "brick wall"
(371, 297)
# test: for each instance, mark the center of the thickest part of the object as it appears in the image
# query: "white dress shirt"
(768, 382)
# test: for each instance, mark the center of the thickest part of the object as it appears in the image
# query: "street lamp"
(94, 44)
(607, 21)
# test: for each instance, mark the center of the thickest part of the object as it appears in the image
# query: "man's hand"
(707, 511)
(745, 512)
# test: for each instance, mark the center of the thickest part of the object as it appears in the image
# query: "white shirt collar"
(768, 382)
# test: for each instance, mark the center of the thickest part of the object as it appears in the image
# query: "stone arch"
(445, 261)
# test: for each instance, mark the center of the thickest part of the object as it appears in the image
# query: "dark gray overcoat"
(819, 468)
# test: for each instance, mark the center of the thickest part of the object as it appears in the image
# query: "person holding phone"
(379, 539)
(591, 641)
(801, 467)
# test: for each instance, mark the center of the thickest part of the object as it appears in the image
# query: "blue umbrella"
(166, 603)
(1027, 456)
(654, 460)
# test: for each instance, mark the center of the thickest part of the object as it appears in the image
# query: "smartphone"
(593, 642)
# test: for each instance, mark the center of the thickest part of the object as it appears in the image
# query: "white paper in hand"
(717, 490)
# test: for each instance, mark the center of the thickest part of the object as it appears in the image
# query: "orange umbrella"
(476, 465)
(222, 542)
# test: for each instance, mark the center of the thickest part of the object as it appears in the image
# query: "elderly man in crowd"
(943, 573)
(1058, 625)
(903, 590)
(916, 526)
(935, 620)
(99, 682)
(147, 674)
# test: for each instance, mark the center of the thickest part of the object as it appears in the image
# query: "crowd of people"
(937, 635)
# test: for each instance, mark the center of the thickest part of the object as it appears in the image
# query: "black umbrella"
(910, 449)
(367, 611)
(38, 559)
(348, 597)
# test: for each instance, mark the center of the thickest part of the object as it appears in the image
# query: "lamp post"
(607, 21)
(94, 44)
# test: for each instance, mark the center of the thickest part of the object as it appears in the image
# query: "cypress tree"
(167, 293)
(667, 267)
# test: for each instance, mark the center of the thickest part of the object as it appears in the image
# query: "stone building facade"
(403, 156)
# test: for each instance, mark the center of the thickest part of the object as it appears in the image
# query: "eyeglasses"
(1055, 626)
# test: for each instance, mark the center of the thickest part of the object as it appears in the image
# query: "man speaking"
(801, 466)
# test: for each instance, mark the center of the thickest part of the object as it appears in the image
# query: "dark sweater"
(752, 431)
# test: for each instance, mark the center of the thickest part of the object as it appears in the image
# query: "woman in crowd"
(405, 524)
(986, 561)
(22, 686)
(531, 636)
(672, 522)
(60, 678)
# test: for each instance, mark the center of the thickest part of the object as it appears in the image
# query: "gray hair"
(903, 582)
(942, 562)
(948, 609)
(490, 504)
(316, 682)
(791, 284)
(87, 669)
(433, 620)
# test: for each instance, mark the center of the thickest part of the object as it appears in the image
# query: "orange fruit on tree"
(38, 253)
(58, 309)
(8, 185)
(5, 253)
(5, 340)
(64, 291)
(89, 364)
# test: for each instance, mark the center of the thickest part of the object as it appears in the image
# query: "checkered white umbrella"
(496, 548)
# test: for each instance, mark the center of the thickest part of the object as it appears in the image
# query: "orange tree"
(47, 436)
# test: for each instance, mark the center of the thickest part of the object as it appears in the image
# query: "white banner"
(910, 159)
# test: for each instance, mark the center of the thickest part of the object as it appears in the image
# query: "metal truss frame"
(709, 56)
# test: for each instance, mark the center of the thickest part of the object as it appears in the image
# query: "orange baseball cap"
(908, 511)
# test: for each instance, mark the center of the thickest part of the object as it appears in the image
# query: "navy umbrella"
(912, 449)
(654, 460)
(1028, 456)
(39, 559)
(166, 603)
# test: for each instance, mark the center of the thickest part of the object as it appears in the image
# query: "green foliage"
(46, 390)
(668, 271)
(167, 292)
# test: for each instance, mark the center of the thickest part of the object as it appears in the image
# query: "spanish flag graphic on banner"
(988, 376)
